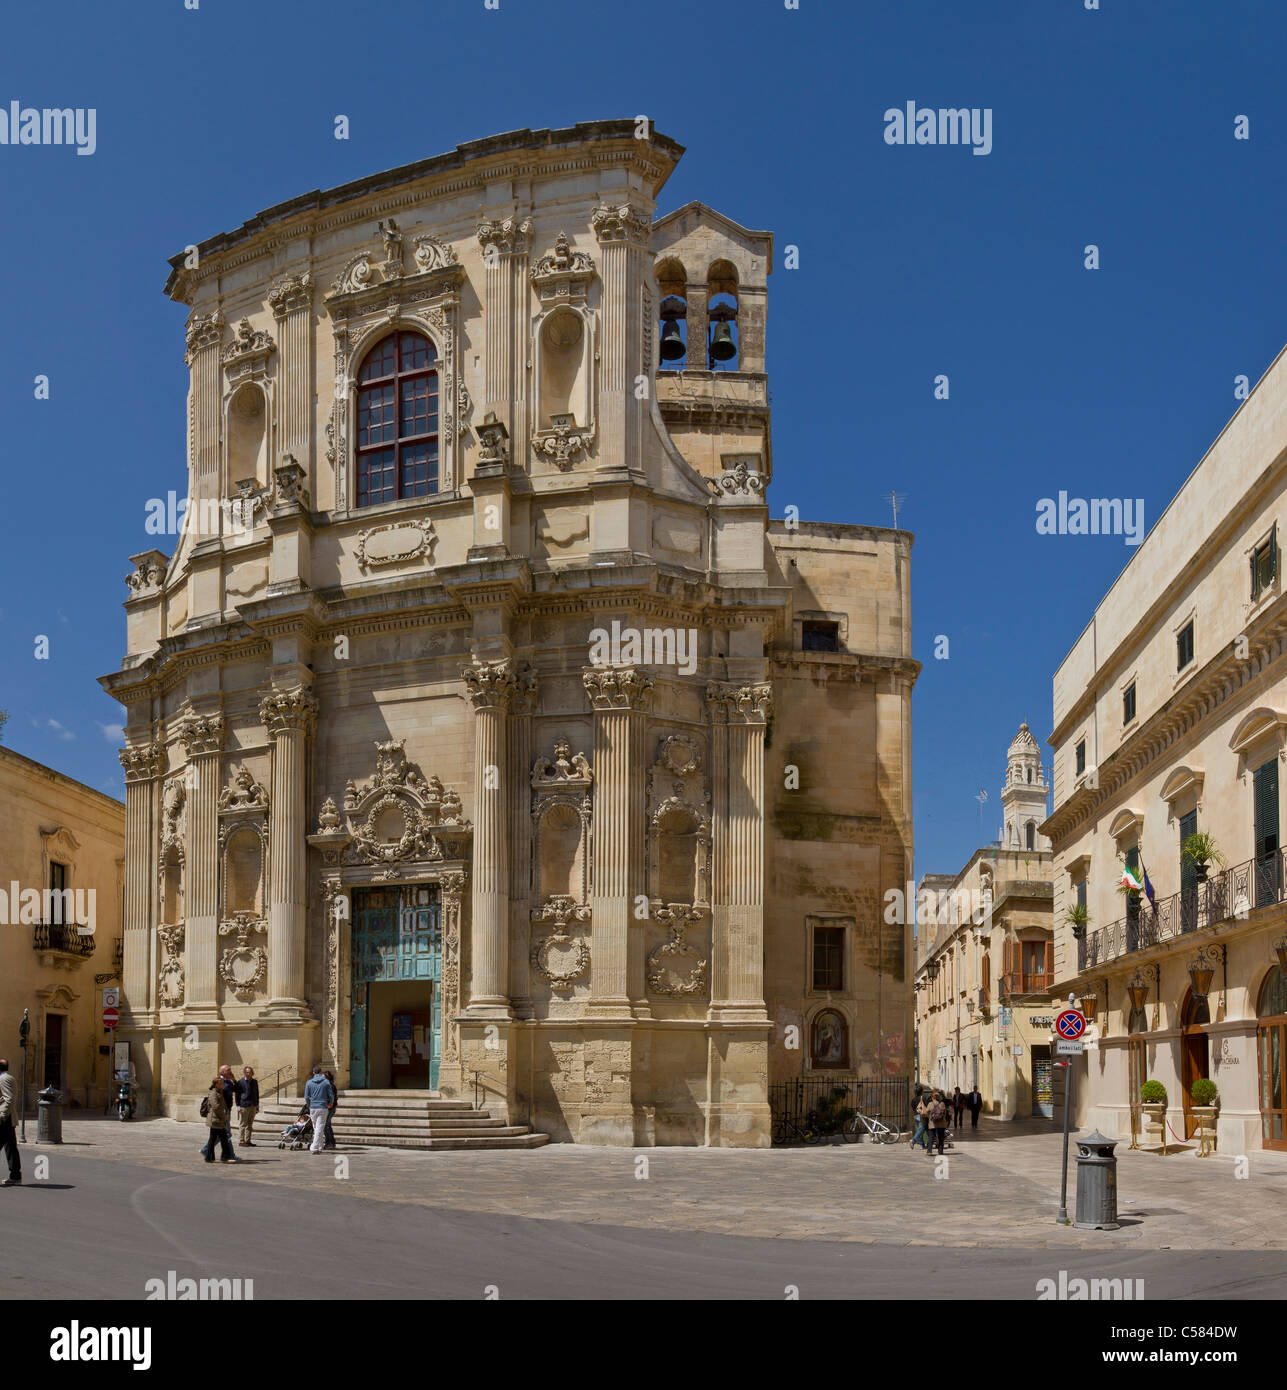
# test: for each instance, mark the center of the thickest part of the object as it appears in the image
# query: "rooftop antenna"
(896, 500)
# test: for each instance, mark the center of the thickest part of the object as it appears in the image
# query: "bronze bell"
(722, 346)
(672, 345)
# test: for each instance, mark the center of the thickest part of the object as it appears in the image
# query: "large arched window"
(397, 433)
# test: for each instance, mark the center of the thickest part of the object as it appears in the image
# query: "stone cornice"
(1225, 676)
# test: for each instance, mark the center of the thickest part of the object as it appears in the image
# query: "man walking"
(975, 1102)
(319, 1096)
(918, 1113)
(229, 1086)
(247, 1104)
(8, 1116)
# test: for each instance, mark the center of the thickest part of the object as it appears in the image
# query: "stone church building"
(484, 735)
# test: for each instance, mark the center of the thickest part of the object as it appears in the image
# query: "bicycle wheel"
(781, 1133)
(890, 1134)
(852, 1130)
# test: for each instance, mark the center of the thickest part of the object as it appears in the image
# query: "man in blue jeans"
(919, 1137)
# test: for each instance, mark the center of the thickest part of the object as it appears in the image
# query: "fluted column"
(739, 714)
(291, 300)
(289, 717)
(202, 739)
(505, 242)
(620, 697)
(489, 687)
(518, 778)
(142, 766)
(204, 335)
(624, 232)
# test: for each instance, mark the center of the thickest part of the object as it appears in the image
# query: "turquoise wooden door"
(396, 935)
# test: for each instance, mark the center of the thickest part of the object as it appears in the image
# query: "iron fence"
(886, 1097)
(1232, 892)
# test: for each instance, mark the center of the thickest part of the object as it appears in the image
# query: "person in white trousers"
(319, 1096)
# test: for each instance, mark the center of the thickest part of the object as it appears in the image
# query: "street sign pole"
(23, 1029)
(1068, 1028)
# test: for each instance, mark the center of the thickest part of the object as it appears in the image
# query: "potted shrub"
(1078, 919)
(1200, 850)
(1206, 1106)
(1153, 1099)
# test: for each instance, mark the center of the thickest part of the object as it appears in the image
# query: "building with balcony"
(62, 861)
(985, 958)
(1170, 719)
(484, 736)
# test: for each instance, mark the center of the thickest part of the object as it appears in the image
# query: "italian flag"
(1130, 882)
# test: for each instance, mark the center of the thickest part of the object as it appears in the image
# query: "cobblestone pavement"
(998, 1188)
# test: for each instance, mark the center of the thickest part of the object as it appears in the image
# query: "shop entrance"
(1043, 1086)
(395, 1024)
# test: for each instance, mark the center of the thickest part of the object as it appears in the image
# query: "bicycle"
(785, 1129)
(874, 1125)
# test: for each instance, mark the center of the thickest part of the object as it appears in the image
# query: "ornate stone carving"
(678, 804)
(243, 793)
(329, 817)
(510, 236)
(562, 260)
(290, 294)
(284, 710)
(740, 479)
(558, 956)
(291, 484)
(174, 795)
(565, 769)
(452, 884)
(489, 684)
(356, 275)
(431, 254)
(564, 444)
(395, 542)
(248, 342)
(201, 734)
(336, 911)
(141, 762)
(563, 275)
(170, 973)
(242, 967)
(392, 266)
(663, 976)
(250, 501)
(730, 703)
(617, 687)
(203, 331)
(621, 223)
(149, 573)
(493, 440)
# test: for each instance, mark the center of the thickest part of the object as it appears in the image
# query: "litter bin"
(1096, 1183)
(49, 1116)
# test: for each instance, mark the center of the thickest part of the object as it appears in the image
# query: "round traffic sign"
(1070, 1024)
(111, 1017)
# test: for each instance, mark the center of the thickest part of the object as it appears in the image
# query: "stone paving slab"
(999, 1187)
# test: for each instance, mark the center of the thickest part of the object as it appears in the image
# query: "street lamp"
(1201, 971)
(1280, 950)
(1090, 1004)
(1137, 991)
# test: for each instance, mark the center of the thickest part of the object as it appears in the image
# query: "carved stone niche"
(170, 973)
(243, 845)
(396, 820)
(679, 824)
(561, 818)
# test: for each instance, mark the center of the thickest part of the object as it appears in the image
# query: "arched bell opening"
(672, 350)
(723, 343)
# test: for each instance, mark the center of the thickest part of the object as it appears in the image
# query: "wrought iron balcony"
(62, 936)
(1016, 982)
(1229, 893)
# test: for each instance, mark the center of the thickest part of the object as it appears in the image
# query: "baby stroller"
(297, 1136)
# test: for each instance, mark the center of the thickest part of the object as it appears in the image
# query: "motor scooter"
(124, 1100)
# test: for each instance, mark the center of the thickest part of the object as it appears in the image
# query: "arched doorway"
(1195, 1053)
(1271, 1035)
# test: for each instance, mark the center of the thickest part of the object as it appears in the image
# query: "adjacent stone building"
(62, 865)
(1170, 717)
(484, 736)
(985, 958)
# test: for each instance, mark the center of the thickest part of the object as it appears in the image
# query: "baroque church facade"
(484, 735)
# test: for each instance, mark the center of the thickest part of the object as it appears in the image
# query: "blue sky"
(1113, 127)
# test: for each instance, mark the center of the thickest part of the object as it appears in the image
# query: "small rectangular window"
(817, 635)
(1128, 703)
(829, 958)
(1264, 564)
(1081, 757)
(1184, 647)
(1081, 893)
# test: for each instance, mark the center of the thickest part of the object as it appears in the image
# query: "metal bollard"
(1096, 1183)
(49, 1116)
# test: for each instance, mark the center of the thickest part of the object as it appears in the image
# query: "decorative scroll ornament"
(243, 793)
(431, 254)
(564, 444)
(248, 342)
(356, 275)
(170, 975)
(565, 769)
(562, 260)
(243, 966)
(149, 572)
(663, 976)
(395, 542)
(557, 956)
(740, 479)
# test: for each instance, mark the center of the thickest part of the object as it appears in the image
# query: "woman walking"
(936, 1116)
(214, 1110)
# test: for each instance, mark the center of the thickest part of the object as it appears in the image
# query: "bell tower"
(1023, 799)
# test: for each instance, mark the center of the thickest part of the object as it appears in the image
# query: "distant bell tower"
(1023, 799)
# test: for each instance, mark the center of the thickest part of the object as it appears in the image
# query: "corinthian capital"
(730, 703)
(489, 684)
(509, 235)
(201, 734)
(617, 687)
(621, 222)
(203, 331)
(141, 762)
(285, 711)
(294, 292)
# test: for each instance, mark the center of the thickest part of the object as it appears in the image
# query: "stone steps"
(403, 1120)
